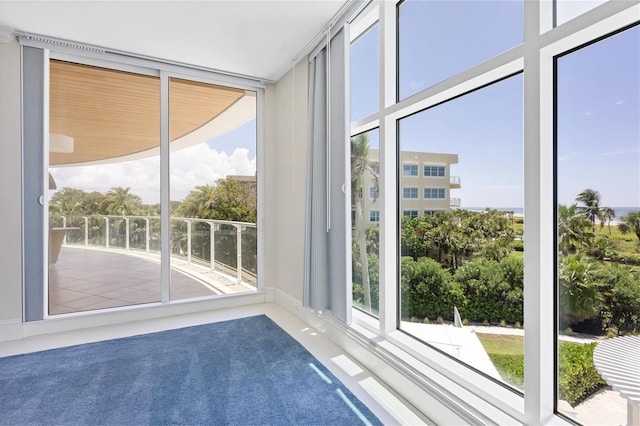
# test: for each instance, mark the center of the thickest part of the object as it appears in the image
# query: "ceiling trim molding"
(68, 46)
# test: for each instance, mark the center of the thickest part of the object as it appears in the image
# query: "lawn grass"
(507, 355)
(622, 243)
(502, 344)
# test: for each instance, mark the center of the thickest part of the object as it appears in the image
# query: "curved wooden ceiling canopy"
(111, 114)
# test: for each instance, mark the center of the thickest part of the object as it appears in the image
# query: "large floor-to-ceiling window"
(152, 184)
(495, 214)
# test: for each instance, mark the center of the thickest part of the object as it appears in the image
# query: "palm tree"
(119, 201)
(591, 209)
(359, 167)
(630, 223)
(608, 213)
(571, 229)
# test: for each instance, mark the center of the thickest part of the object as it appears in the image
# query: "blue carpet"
(240, 372)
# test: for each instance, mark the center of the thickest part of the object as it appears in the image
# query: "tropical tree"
(608, 214)
(591, 208)
(580, 296)
(228, 199)
(119, 201)
(630, 223)
(571, 229)
(360, 166)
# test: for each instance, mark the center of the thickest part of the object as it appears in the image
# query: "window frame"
(542, 42)
(146, 66)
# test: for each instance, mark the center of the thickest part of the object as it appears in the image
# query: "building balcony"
(454, 182)
(454, 203)
(112, 261)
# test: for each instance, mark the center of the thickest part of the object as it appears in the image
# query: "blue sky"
(598, 104)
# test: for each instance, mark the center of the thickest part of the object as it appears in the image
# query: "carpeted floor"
(240, 372)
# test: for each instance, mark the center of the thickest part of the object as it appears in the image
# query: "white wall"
(10, 186)
(285, 186)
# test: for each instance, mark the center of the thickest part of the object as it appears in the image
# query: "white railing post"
(239, 252)
(212, 244)
(146, 235)
(64, 225)
(106, 231)
(188, 241)
(86, 231)
(126, 233)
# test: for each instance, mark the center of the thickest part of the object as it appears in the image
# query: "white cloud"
(619, 102)
(191, 167)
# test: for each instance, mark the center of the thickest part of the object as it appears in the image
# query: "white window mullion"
(388, 143)
(538, 228)
(165, 212)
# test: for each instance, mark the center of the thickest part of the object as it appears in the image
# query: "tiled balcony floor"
(87, 279)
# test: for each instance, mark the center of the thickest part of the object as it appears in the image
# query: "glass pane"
(213, 189)
(438, 39)
(104, 181)
(365, 169)
(569, 9)
(364, 74)
(598, 187)
(462, 269)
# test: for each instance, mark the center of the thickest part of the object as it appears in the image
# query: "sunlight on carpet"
(238, 372)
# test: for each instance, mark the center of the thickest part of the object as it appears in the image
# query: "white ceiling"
(257, 38)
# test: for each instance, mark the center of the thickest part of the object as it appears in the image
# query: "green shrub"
(569, 331)
(503, 323)
(425, 320)
(517, 245)
(465, 322)
(485, 322)
(439, 320)
(510, 367)
(518, 325)
(414, 319)
(577, 377)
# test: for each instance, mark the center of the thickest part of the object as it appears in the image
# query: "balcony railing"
(454, 181)
(223, 246)
(454, 203)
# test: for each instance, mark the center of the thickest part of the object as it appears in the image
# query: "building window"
(373, 193)
(375, 167)
(434, 171)
(434, 193)
(411, 214)
(409, 170)
(374, 215)
(410, 193)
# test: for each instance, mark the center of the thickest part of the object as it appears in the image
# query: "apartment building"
(426, 184)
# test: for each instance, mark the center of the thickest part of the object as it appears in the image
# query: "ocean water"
(620, 211)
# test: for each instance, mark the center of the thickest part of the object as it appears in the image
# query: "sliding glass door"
(104, 184)
(109, 164)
